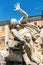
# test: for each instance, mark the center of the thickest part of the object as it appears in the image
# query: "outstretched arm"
(25, 15)
(17, 7)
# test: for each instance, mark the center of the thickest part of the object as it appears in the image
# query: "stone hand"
(17, 6)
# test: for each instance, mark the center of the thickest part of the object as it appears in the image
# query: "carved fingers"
(17, 6)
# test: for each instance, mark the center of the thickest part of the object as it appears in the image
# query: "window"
(2, 40)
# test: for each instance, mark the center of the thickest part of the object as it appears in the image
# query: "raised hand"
(17, 6)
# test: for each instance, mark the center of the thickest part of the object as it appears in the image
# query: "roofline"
(30, 18)
(35, 18)
(4, 22)
(35, 15)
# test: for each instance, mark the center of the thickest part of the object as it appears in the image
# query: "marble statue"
(32, 37)
(26, 36)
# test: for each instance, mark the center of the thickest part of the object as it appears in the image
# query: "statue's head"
(13, 21)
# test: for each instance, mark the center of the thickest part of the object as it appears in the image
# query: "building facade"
(37, 20)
